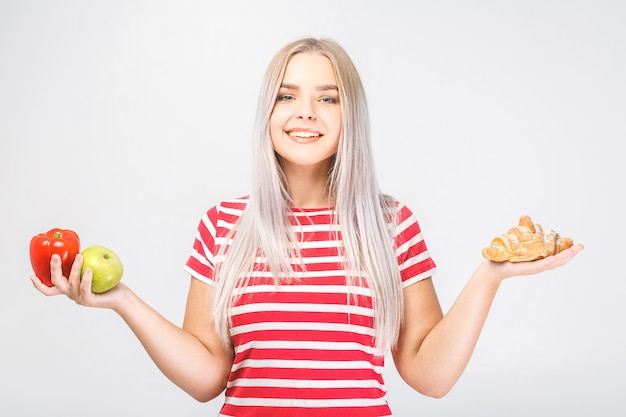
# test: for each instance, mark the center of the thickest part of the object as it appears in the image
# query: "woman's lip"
(303, 136)
(302, 130)
(309, 137)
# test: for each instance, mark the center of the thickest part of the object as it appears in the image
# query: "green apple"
(105, 266)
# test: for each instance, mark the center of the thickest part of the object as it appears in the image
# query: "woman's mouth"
(304, 136)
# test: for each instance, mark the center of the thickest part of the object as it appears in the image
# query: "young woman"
(299, 289)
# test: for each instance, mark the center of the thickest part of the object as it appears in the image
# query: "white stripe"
(321, 260)
(314, 213)
(297, 383)
(305, 364)
(302, 326)
(307, 260)
(224, 224)
(323, 244)
(406, 245)
(338, 272)
(310, 345)
(401, 227)
(204, 261)
(222, 241)
(208, 253)
(306, 308)
(414, 260)
(311, 289)
(310, 244)
(311, 228)
(279, 402)
(418, 278)
(231, 210)
(208, 224)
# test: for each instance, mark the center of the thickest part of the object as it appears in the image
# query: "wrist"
(117, 298)
(490, 273)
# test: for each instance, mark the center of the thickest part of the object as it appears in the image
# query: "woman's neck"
(308, 187)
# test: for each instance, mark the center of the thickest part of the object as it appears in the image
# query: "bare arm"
(192, 356)
(433, 350)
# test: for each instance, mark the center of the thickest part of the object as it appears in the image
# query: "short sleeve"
(201, 261)
(411, 251)
(214, 231)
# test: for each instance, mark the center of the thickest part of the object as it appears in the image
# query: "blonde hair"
(365, 215)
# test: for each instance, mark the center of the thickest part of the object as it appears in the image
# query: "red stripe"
(251, 411)
(302, 335)
(305, 393)
(307, 355)
(300, 317)
(304, 298)
(318, 235)
(304, 374)
(417, 269)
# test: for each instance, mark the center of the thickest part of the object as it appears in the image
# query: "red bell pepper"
(63, 242)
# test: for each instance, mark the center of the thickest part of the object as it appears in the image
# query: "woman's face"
(305, 123)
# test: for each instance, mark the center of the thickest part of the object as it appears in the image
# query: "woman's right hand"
(75, 288)
(193, 357)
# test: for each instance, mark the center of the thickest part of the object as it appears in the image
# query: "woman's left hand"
(502, 270)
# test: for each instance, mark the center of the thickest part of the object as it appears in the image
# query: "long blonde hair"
(365, 215)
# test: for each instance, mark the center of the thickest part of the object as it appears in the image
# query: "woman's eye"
(285, 97)
(330, 100)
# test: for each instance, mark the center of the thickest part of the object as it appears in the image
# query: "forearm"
(434, 366)
(180, 355)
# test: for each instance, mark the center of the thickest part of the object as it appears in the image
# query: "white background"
(126, 120)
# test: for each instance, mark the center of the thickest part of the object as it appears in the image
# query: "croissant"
(525, 242)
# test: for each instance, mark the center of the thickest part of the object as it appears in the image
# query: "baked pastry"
(525, 242)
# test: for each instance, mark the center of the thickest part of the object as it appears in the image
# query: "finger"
(510, 269)
(56, 273)
(73, 281)
(577, 248)
(43, 288)
(565, 256)
(558, 260)
(85, 283)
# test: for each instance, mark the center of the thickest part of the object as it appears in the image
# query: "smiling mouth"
(299, 134)
(304, 137)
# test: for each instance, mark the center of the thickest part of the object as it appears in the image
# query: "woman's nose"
(305, 110)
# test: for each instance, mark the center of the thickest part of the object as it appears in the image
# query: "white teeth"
(304, 134)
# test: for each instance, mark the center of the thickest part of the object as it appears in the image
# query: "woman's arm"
(192, 356)
(433, 350)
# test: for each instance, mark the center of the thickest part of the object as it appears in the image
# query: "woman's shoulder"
(393, 204)
(228, 209)
(232, 204)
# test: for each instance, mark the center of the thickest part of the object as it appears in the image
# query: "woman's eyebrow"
(324, 87)
(327, 87)
(289, 86)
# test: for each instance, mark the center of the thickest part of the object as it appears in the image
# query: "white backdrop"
(126, 120)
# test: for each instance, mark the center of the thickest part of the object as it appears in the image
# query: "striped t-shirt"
(305, 348)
